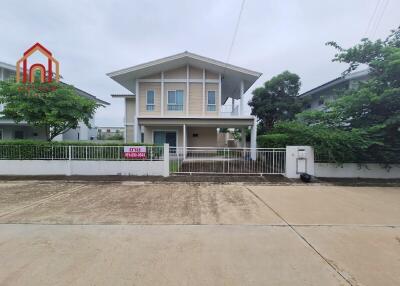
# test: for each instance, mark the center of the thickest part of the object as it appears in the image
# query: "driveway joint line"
(39, 202)
(300, 236)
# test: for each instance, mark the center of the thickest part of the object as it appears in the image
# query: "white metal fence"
(70, 152)
(209, 160)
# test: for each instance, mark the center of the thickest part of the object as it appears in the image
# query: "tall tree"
(375, 105)
(55, 107)
(276, 100)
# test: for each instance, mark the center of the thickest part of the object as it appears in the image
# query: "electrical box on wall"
(301, 161)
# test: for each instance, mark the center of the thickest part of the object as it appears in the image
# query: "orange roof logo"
(46, 75)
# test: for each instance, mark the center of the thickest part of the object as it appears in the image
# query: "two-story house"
(22, 130)
(183, 99)
(329, 91)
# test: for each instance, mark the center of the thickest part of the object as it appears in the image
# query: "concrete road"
(136, 233)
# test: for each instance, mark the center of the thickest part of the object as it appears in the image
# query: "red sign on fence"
(135, 152)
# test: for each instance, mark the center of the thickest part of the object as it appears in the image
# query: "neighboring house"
(11, 130)
(326, 92)
(181, 100)
(105, 132)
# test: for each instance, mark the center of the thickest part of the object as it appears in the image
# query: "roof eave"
(179, 56)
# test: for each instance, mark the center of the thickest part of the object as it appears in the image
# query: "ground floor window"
(162, 137)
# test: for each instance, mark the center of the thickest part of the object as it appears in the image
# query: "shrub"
(276, 140)
(330, 144)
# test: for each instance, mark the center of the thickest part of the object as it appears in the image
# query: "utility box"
(299, 159)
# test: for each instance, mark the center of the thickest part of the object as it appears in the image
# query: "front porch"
(195, 132)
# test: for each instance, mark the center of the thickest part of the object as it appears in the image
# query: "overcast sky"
(92, 38)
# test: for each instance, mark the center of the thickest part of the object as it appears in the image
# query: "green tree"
(374, 106)
(276, 100)
(55, 107)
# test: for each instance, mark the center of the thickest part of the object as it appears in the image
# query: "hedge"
(31, 149)
(273, 141)
(330, 144)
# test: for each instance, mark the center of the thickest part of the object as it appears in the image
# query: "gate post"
(166, 160)
(299, 159)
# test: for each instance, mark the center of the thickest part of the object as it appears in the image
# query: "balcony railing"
(175, 107)
(227, 110)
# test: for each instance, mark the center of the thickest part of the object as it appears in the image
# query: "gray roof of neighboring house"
(336, 81)
(79, 91)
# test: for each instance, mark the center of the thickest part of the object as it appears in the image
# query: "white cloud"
(91, 38)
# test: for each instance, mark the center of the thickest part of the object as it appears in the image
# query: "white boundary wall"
(77, 167)
(353, 170)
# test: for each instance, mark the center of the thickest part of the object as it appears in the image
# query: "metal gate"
(215, 160)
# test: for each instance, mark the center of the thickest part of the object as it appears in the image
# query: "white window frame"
(150, 107)
(175, 103)
(213, 106)
(168, 103)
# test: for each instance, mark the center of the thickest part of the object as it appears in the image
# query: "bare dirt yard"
(178, 233)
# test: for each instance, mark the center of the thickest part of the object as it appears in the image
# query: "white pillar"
(125, 120)
(162, 94)
(136, 128)
(204, 92)
(184, 141)
(166, 160)
(253, 140)
(187, 90)
(233, 105)
(241, 112)
(243, 135)
(219, 97)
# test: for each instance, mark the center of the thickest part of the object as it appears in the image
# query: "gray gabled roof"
(231, 74)
(79, 91)
(185, 54)
(336, 81)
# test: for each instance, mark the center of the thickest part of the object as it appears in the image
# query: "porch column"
(125, 120)
(184, 141)
(253, 141)
(136, 131)
(233, 106)
(241, 111)
(243, 135)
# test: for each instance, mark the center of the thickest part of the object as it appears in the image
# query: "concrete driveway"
(138, 233)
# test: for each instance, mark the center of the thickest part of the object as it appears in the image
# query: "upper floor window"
(175, 100)
(211, 106)
(150, 100)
